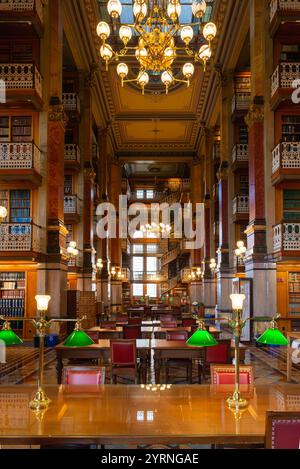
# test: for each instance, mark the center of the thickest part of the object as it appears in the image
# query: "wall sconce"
(213, 266)
(240, 251)
(72, 249)
(99, 264)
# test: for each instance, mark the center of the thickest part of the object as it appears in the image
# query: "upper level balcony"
(240, 103)
(282, 82)
(286, 239)
(72, 157)
(286, 162)
(152, 277)
(71, 104)
(72, 208)
(283, 10)
(19, 238)
(240, 208)
(239, 156)
(23, 82)
(29, 11)
(20, 161)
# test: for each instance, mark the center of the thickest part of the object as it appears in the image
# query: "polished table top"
(141, 344)
(123, 414)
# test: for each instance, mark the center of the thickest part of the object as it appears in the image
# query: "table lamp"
(7, 335)
(78, 338)
(272, 336)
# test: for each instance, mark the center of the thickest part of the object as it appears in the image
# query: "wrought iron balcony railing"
(19, 237)
(286, 155)
(240, 204)
(283, 5)
(21, 76)
(21, 155)
(240, 153)
(284, 75)
(22, 6)
(286, 237)
(71, 204)
(71, 102)
(72, 153)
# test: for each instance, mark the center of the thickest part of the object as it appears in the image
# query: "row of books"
(12, 313)
(7, 276)
(12, 303)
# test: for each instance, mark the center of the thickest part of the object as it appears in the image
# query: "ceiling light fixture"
(160, 40)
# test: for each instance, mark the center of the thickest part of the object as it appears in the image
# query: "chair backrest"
(189, 322)
(282, 430)
(123, 352)
(220, 353)
(83, 375)
(131, 331)
(166, 317)
(135, 321)
(168, 324)
(109, 324)
(177, 335)
(224, 374)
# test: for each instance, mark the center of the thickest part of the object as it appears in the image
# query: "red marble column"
(256, 231)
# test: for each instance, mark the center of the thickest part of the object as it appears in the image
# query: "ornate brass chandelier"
(161, 41)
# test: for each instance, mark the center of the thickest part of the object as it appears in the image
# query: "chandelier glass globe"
(187, 34)
(114, 8)
(125, 34)
(199, 8)
(103, 30)
(188, 70)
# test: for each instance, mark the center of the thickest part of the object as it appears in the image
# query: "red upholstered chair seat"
(283, 430)
(225, 374)
(83, 375)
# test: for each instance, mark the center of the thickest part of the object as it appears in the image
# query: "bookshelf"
(20, 206)
(12, 297)
(291, 205)
(290, 53)
(4, 129)
(15, 129)
(290, 128)
(242, 134)
(294, 294)
(126, 300)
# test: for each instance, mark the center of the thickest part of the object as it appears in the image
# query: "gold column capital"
(255, 115)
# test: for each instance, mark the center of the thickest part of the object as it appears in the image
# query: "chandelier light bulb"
(125, 34)
(143, 80)
(187, 34)
(114, 8)
(209, 31)
(205, 54)
(106, 53)
(174, 11)
(240, 244)
(167, 79)
(103, 30)
(122, 71)
(188, 70)
(199, 8)
(139, 10)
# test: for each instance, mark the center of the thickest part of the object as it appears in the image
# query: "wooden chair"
(179, 362)
(225, 374)
(83, 375)
(124, 360)
(189, 322)
(282, 430)
(218, 354)
(108, 325)
(135, 321)
(131, 332)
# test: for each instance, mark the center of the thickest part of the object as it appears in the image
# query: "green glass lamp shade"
(78, 339)
(10, 338)
(202, 338)
(272, 337)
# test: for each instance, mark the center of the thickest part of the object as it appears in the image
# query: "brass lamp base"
(40, 401)
(237, 402)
